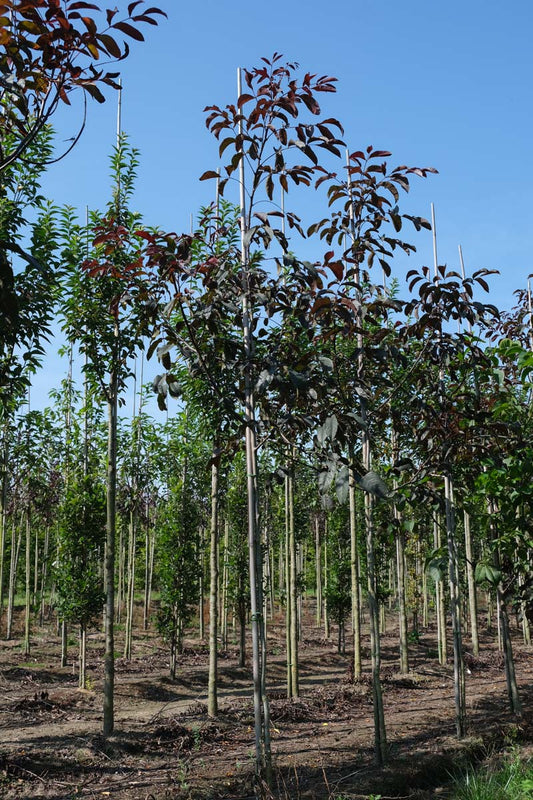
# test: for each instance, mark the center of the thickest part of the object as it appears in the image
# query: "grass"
(512, 780)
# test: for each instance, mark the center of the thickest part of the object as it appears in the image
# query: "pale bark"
(354, 567)
(27, 603)
(16, 540)
(225, 582)
(212, 700)
(130, 596)
(293, 591)
(455, 607)
(472, 595)
(109, 612)
(318, 572)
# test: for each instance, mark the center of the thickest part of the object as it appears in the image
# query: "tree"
(48, 49)
(81, 537)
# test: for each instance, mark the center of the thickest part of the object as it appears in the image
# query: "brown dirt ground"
(164, 746)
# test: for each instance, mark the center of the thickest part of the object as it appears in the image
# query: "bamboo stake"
(379, 719)
(261, 713)
(472, 595)
(453, 568)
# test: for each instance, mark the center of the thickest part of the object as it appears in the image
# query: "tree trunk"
(455, 607)
(318, 572)
(439, 599)
(472, 596)
(293, 589)
(326, 582)
(3, 514)
(225, 581)
(201, 625)
(109, 618)
(64, 643)
(27, 603)
(82, 671)
(503, 620)
(354, 566)
(16, 540)
(44, 574)
(148, 568)
(287, 561)
(212, 704)
(130, 600)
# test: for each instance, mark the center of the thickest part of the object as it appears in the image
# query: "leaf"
(337, 268)
(297, 379)
(244, 98)
(342, 484)
(129, 30)
(325, 479)
(436, 568)
(94, 91)
(264, 380)
(486, 572)
(110, 45)
(209, 174)
(374, 484)
(328, 430)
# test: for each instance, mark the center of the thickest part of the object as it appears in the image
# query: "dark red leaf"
(129, 30)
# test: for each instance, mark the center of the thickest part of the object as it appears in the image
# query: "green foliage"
(237, 557)
(180, 516)
(80, 545)
(511, 781)
(339, 583)
(29, 272)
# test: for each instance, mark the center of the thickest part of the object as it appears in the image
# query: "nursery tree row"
(336, 431)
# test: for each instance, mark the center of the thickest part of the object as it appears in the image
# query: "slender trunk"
(293, 589)
(439, 599)
(16, 540)
(201, 625)
(120, 578)
(326, 582)
(148, 561)
(526, 630)
(318, 572)
(288, 626)
(380, 737)
(425, 599)
(472, 596)
(455, 607)
(241, 615)
(510, 675)
(354, 565)
(27, 603)
(44, 575)
(130, 601)
(225, 581)
(3, 517)
(261, 710)
(82, 680)
(109, 620)
(402, 604)
(401, 572)
(35, 568)
(212, 704)
(64, 643)
(503, 620)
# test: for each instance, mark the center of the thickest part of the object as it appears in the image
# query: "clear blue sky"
(443, 84)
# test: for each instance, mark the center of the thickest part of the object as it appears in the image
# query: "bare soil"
(164, 745)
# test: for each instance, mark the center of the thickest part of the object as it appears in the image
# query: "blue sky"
(443, 84)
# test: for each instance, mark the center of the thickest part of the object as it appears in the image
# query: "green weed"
(512, 781)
